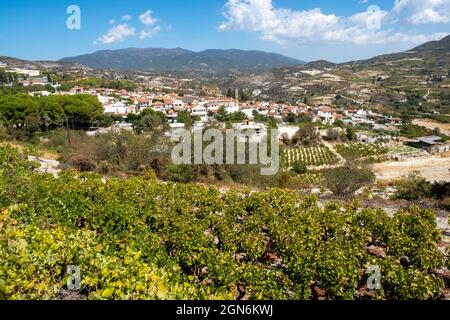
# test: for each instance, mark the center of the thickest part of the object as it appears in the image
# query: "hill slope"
(379, 80)
(434, 49)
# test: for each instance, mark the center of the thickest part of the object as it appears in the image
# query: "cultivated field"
(357, 150)
(313, 156)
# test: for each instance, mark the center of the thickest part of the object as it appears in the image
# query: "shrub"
(104, 167)
(299, 167)
(440, 190)
(180, 173)
(83, 164)
(415, 187)
(3, 133)
(332, 134)
(306, 135)
(344, 181)
(445, 204)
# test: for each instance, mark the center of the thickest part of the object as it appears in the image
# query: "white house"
(248, 113)
(232, 108)
(326, 115)
(178, 105)
(105, 99)
(251, 131)
(200, 111)
(117, 108)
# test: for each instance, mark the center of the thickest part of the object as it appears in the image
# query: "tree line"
(22, 111)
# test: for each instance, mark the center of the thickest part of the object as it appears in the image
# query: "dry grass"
(42, 152)
(430, 124)
(433, 168)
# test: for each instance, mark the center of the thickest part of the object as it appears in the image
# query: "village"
(376, 136)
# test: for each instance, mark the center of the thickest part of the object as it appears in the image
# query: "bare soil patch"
(433, 168)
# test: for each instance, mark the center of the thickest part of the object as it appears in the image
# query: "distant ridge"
(436, 49)
(320, 64)
(435, 46)
(178, 59)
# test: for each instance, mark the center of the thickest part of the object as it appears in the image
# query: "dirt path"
(341, 159)
(432, 168)
(47, 166)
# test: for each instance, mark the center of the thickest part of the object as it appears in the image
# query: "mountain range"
(219, 61)
(242, 66)
(159, 59)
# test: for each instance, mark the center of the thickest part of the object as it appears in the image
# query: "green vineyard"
(142, 239)
(358, 150)
(313, 156)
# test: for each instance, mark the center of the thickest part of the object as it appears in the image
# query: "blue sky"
(305, 29)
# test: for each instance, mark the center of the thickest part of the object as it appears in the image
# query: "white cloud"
(112, 21)
(275, 24)
(117, 34)
(144, 34)
(424, 11)
(147, 18)
(373, 18)
(285, 25)
(126, 17)
(151, 25)
(122, 31)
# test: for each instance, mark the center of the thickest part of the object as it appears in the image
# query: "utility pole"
(68, 131)
(46, 124)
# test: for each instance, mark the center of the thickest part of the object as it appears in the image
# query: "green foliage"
(306, 135)
(415, 131)
(244, 95)
(344, 181)
(184, 117)
(223, 116)
(16, 111)
(439, 118)
(7, 77)
(415, 187)
(149, 120)
(140, 239)
(299, 167)
(103, 83)
(35, 261)
(350, 132)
